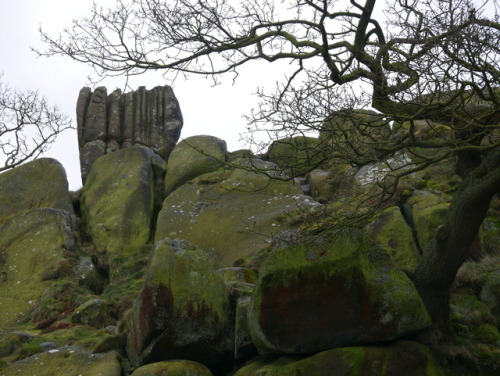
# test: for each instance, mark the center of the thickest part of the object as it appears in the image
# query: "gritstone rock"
(107, 123)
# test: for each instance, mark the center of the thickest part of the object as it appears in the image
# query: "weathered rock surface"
(183, 309)
(173, 368)
(38, 184)
(117, 201)
(341, 293)
(31, 247)
(401, 358)
(428, 211)
(107, 123)
(320, 184)
(371, 174)
(93, 312)
(295, 155)
(193, 157)
(234, 212)
(284, 288)
(67, 361)
(392, 233)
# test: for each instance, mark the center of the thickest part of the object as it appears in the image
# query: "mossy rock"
(93, 312)
(173, 368)
(239, 274)
(353, 129)
(343, 292)
(31, 244)
(487, 333)
(38, 184)
(59, 299)
(321, 184)
(425, 130)
(183, 310)
(490, 293)
(428, 212)
(390, 231)
(469, 314)
(401, 358)
(491, 235)
(64, 333)
(68, 361)
(192, 157)
(117, 201)
(234, 212)
(295, 155)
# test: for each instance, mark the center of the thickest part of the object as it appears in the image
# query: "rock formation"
(204, 262)
(107, 123)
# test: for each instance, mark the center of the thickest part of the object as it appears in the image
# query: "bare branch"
(28, 125)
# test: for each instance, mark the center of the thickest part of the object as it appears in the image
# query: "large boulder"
(295, 155)
(343, 292)
(192, 157)
(235, 212)
(394, 235)
(67, 361)
(428, 211)
(38, 184)
(354, 131)
(183, 309)
(401, 358)
(33, 246)
(117, 201)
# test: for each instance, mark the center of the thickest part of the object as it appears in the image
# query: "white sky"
(206, 110)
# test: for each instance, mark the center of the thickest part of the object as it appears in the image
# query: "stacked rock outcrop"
(107, 123)
(205, 262)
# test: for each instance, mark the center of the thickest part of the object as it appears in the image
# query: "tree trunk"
(436, 271)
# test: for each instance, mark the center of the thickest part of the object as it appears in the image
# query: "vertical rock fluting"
(107, 123)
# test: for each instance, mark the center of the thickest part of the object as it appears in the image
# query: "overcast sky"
(207, 110)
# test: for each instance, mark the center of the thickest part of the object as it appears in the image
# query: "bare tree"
(28, 125)
(436, 60)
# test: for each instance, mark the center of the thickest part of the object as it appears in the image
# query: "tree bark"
(436, 271)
